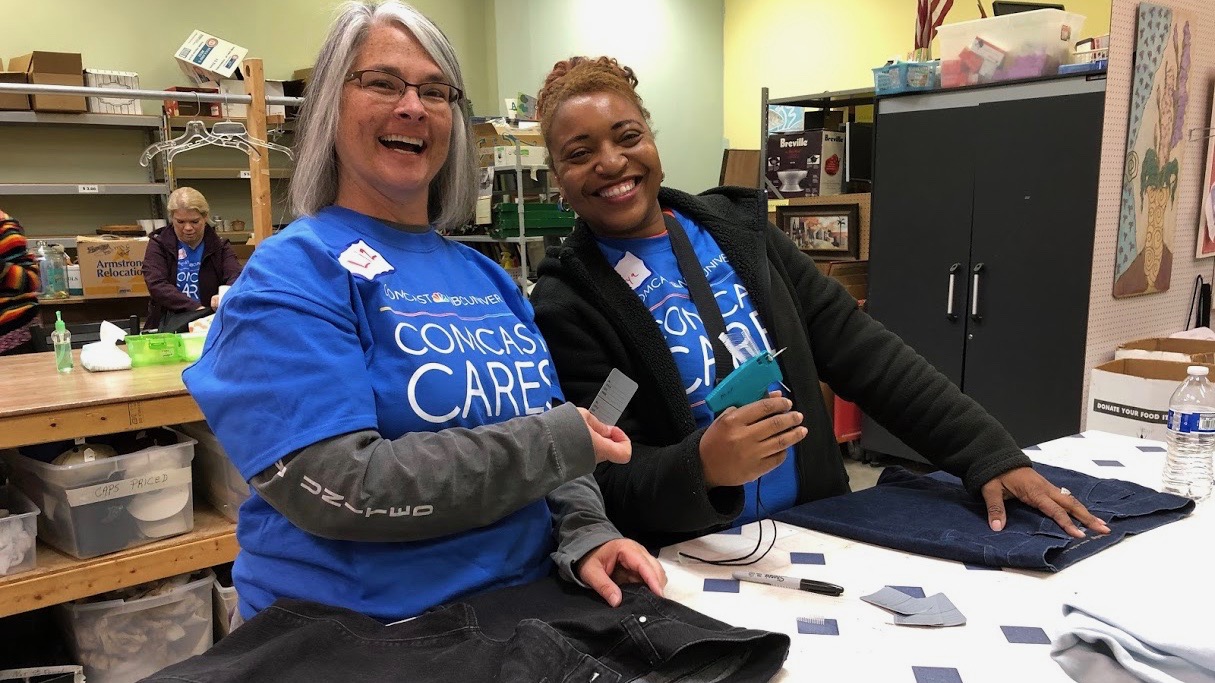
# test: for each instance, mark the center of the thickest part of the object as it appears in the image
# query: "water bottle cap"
(1197, 370)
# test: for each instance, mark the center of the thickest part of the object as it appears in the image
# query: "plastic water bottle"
(1191, 436)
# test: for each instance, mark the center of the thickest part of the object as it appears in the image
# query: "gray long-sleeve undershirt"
(363, 487)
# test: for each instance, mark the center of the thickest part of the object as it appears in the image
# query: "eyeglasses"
(390, 87)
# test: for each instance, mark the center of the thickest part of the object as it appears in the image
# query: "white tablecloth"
(1012, 615)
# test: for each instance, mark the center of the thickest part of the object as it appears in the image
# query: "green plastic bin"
(154, 349)
(542, 219)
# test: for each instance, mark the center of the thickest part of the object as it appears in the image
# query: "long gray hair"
(314, 183)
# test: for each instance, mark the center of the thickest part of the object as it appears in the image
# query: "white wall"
(675, 46)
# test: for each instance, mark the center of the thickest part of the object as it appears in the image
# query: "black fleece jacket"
(593, 322)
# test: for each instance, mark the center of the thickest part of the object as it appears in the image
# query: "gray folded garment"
(1137, 638)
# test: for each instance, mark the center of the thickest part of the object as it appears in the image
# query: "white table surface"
(869, 647)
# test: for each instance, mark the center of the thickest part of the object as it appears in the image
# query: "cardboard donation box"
(111, 267)
(496, 145)
(1192, 351)
(206, 60)
(52, 68)
(1131, 396)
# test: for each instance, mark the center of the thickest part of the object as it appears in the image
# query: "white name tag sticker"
(360, 259)
(613, 397)
(633, 270)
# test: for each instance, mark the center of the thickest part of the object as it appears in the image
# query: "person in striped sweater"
(18, 287)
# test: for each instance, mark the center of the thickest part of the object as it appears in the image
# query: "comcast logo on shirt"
(441, 298)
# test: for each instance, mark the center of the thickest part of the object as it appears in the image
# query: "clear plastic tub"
(18, 532)
(99, 507)
(1009, 47)
(218, 480)
(192, 345)
(125, 640)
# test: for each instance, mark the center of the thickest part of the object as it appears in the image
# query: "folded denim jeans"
(549, 630)
(934, 515)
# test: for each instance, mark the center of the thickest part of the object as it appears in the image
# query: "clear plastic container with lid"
(52, 271)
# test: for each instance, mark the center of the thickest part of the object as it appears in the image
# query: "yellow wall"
(802, 47)
(141, 35)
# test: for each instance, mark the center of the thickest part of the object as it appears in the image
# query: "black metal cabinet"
(984, 207)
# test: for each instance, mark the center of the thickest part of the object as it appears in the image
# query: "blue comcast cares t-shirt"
(342, 323)
(648, 265)
(189, 260)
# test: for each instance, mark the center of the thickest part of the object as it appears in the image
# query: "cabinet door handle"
(953, 280)
(974, 293)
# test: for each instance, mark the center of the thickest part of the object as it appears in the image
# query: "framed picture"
(824, 231)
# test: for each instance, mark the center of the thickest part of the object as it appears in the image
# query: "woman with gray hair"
(384, 390)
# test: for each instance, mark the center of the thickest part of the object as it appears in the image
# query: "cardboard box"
(1174, 350)
(52, 68)
(111, 267)
(496, 145)
(11, 101)
(807, 164)
(187, 107)
(118, 80)
(1131, 396)
(207, 60)
(231, 86)
(304, 75)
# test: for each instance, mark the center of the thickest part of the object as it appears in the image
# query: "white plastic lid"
(1198, 370)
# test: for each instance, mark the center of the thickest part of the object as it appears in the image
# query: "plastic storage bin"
(153, 349)
(125, 640)
(216, 478)
(18, 532)
(542, 219)
(1013, 46)
(100, 507)
(905, 76)
(191, 345)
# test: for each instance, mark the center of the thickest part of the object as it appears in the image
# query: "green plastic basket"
(542, 219)
(154, 349)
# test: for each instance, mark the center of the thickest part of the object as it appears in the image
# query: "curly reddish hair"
(580, 76)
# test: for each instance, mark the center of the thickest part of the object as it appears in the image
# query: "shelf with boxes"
(816, 144)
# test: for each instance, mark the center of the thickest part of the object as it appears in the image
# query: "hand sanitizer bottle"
(62, 339)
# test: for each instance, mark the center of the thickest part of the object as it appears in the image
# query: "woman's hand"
(1031, 488)
(744, 443)
(620, 561)
(610, 442)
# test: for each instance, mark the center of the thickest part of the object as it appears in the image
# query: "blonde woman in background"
(186, 261)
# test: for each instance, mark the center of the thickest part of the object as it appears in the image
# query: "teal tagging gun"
(750, 380)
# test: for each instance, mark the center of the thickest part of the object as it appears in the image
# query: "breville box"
(52, 68)
(805, 164)
(13, 101)
(118, 80)
(111, 267)
(496, 145)
(231, 86)
(205, 59)
(1131, 396)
